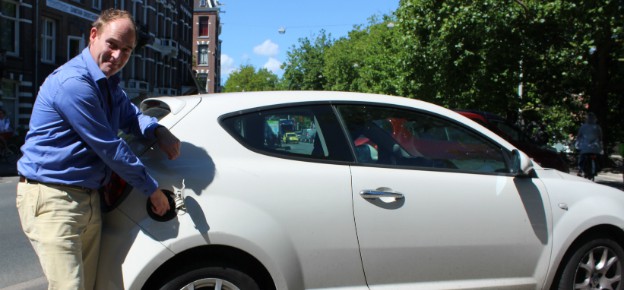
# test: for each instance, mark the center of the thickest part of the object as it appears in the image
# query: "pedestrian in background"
(72, 148)
(6, 132)
(5, 122)
(588, 140)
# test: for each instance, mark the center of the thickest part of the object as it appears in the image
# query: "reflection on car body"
(389, 193)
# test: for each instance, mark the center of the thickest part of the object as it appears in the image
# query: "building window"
(48, 41)
(203, 3)
(97, 4)
(9, 34)
(75, 45)
(203, 55)
(203, 26)
(201, 82)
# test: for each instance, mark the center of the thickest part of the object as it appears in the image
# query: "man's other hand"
(168, 143)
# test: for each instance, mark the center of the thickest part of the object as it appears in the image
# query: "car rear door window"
(310, 132)
(401, 137)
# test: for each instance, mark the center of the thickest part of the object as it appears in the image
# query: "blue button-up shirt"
(73, 137)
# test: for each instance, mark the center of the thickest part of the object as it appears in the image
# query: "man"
(588, 140)
(5, 130)
(72, 148)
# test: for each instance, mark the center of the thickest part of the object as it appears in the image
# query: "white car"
(392, 193)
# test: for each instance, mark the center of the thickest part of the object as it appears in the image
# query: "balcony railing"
(166, 91)
(167, 47)
(136, 85)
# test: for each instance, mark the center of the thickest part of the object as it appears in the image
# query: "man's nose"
(116, 53)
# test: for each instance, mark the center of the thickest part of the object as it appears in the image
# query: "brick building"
(206, 45)
(37, 36)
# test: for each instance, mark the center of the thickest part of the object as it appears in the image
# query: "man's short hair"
(112, 14)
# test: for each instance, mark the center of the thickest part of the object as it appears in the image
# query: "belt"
(23, 179)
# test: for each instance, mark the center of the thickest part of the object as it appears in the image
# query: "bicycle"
(589, 165)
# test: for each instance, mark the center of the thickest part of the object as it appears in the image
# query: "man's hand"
(160, 203)
(168, 143)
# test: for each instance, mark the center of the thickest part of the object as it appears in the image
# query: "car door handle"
(379, 193)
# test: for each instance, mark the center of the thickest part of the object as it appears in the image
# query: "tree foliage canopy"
(304, 68)
(247, 79)
(532, 61)
(542, 61)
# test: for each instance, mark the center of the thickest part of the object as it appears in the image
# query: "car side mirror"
(521, 163)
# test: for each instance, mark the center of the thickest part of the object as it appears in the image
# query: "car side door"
(303, 190)
(435, 207)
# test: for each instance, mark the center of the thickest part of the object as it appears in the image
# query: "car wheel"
(595, 264)
(217, 278)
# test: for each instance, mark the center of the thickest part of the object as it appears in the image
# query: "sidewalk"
(609, 177)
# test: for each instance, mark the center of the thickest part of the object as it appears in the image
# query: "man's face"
(112, 45)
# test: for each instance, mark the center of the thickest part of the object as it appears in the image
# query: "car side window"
(302, 131)
(401, 137)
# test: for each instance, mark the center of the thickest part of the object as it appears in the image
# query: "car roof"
(217, 105)
(248, 100)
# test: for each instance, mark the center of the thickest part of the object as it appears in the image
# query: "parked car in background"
(290, 137)
(542, 154)
(392, 193)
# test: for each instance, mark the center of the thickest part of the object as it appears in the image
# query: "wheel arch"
(603, 230)
(211, 255)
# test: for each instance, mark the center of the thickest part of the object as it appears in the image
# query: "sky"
(251, 35)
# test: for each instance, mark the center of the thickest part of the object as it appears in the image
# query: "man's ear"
(92, 34)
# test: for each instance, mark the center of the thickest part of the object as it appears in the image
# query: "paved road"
(19, 265)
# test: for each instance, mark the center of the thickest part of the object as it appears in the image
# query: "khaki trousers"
(64, 226)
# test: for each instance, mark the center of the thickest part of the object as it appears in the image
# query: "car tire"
(212, 278)
(595, 264)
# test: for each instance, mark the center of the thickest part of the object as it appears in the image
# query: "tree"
(536, 60)
(303, 69)
(594, 31)
(365, 61)
(530, 61)
(462, 54)
(247, 79)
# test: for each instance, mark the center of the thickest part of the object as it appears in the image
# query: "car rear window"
(304, 131)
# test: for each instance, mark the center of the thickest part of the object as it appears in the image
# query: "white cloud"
(273, 65)
(227, 66)
(267, 48)
(245, 58)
